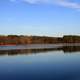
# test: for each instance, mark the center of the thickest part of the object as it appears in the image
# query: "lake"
(40, 62)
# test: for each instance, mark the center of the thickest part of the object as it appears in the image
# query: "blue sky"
(40, 17)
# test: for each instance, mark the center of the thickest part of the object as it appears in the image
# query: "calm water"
(40, 63)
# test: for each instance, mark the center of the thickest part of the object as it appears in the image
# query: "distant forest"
(19, 40)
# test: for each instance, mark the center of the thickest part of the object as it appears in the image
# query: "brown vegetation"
(17, 40)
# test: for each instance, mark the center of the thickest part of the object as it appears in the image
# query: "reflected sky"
(41, 64)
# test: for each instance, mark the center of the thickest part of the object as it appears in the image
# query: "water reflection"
(52, 65)
(65, 49)
(71, 49)
(26, 51)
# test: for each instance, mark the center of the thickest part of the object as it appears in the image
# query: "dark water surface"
(40, 63)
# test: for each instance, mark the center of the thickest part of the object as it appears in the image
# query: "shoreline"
(25, 40)
(36, 46)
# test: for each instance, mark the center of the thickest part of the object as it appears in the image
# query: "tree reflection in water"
(65, 49)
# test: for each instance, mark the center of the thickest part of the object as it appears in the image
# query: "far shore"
(25, 40)
(64, 44)
(38, 46)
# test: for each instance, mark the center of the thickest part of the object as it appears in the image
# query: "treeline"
(71, 39)
(18, 40)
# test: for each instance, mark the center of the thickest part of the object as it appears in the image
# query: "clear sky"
(40, 17)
